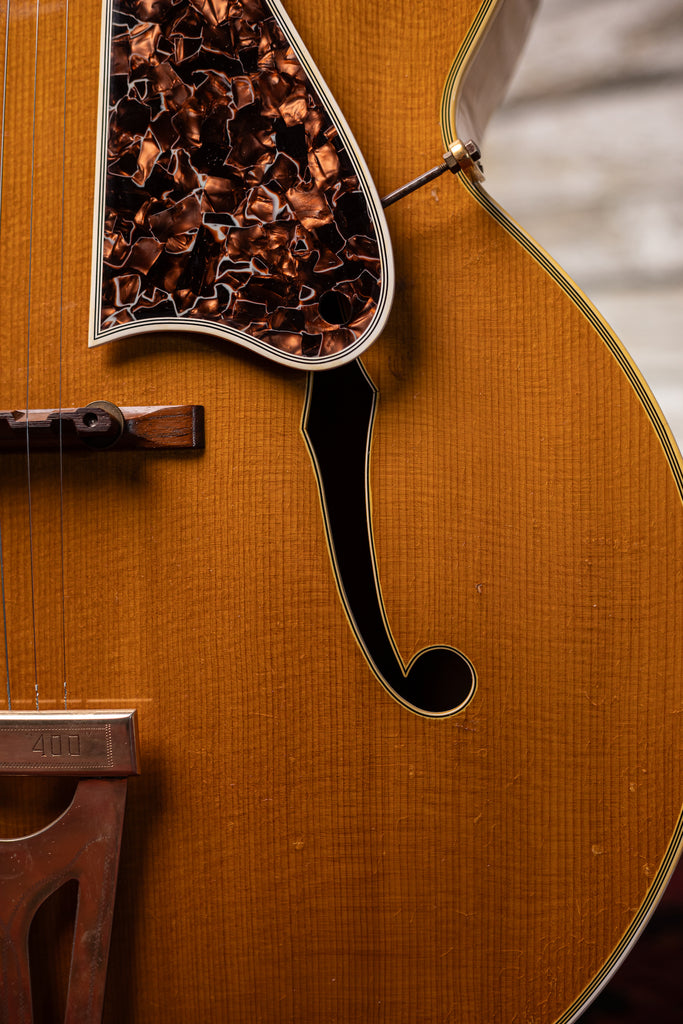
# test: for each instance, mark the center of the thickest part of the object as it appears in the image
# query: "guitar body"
(300, 846)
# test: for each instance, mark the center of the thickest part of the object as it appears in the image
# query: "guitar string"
(4, 620)
(2, 167)
(61, 335)
(28, 366)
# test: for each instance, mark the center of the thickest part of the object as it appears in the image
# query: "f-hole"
(337, 426)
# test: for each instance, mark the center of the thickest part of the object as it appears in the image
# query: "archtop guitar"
(366, 515)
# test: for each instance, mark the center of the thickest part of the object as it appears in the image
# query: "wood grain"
(300, 847)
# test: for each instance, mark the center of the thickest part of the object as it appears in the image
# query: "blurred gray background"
(587, 155)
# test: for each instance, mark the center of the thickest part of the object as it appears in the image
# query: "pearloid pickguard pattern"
(231, 197)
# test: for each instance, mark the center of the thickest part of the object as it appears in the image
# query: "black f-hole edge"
(337, 425)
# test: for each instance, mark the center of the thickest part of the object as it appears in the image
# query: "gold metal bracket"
(464, 157)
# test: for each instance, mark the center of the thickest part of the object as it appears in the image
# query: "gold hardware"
(464, 157)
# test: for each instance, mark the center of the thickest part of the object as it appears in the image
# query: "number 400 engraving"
(58, 745)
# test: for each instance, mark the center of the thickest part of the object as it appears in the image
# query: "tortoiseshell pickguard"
(233, 199)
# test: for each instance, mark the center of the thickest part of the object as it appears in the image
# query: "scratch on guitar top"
(458, 724)
(594, 701)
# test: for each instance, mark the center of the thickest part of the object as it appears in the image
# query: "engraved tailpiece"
(82, 844)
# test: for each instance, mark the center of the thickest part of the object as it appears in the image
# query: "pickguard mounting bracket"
(459, 158)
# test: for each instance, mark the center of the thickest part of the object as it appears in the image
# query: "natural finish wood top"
(299, 847)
